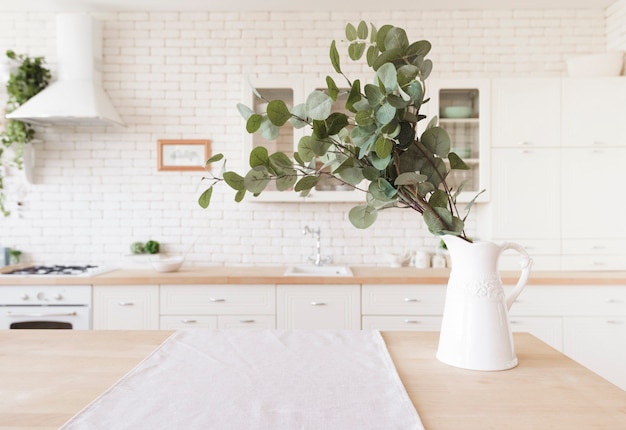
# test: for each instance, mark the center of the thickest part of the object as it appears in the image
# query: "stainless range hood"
(77, 96)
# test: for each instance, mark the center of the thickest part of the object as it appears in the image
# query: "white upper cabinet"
(463, 108)
(525, 112)
(593, 112)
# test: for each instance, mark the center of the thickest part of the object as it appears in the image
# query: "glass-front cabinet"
(462, 107)
(293, 92)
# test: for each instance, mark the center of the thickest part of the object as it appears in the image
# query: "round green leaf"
(356, 50)
(306, 183)
(259, 157)
(268, 130)
(362, 30)
(234, 180)
(350, 32)
(256, 180)
(205, 198)
(362, 216)
(253, 123)
(278, 112)
(318, 105)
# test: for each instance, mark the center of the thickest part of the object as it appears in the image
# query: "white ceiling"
(294, 5)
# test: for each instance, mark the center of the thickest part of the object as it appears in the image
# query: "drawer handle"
(247, 321)
(318, 303)
(514, 321)
(214, 300)
(614, 322)
(407, 299)
(126, 304)
(188, 321)
(411, 321)
(614, 301)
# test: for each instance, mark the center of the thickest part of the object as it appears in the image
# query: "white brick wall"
(179, 75)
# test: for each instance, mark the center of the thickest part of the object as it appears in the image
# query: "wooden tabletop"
(46, 376)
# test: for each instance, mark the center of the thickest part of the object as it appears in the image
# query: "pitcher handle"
(525, 263)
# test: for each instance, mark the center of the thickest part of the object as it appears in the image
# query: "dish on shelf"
(456, 112)
(604, 64)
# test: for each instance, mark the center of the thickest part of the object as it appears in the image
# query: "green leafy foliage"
(370, 143)
(29, 78)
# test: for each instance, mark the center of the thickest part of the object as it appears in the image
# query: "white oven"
(45, 307)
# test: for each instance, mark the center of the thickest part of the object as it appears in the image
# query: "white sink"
(318, 271)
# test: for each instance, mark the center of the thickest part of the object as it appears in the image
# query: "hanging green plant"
(29, 78)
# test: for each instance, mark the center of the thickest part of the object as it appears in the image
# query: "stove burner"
(53, 270)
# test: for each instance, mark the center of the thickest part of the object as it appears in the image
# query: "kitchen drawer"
(594, 247)
(403, 299)
(401, 323)
(318, 307)
(548, 329)
(570, 301)
(175, 322)
(246, 321)
(593, 262)
(218, 300)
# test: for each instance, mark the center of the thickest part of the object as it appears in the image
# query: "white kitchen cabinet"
(402, 307)
(526, 206)
(468, 134)
(586, 322)
(126, 307)
(598, 343)
(538, 310)
(592, 112)
(525, 113)
(592, 183)
(318, 307)
(217, 306)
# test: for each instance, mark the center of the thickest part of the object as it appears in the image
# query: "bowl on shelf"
(167, 264)
(604, 64)
(456, 112)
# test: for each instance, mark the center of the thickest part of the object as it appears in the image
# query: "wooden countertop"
(46, 376)
(274, 275)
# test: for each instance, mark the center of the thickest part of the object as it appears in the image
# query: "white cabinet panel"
(593, 112)
(246, 321)
(598, 343)
(126, 307)
(218, 300)
(548, 329)
(318, 307)
(403, 299)
(525, 112)
(592, 184)
(175, 322)
(401, 323)
(526, 204)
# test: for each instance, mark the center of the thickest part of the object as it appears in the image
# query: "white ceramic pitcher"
(475, 332)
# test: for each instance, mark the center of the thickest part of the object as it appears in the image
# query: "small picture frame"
(183, 154)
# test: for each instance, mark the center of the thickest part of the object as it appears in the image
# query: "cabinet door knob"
(318, 303)
(214, 300)
(408, 299)
(188, 321)
(412, 321)
(126, 304)
(246, 321)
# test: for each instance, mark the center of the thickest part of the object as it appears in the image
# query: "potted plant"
(28, 79)
(374, 139)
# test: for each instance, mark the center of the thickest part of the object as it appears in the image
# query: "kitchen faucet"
(317, 259)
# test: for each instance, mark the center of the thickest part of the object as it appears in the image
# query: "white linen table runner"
(258, 379)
